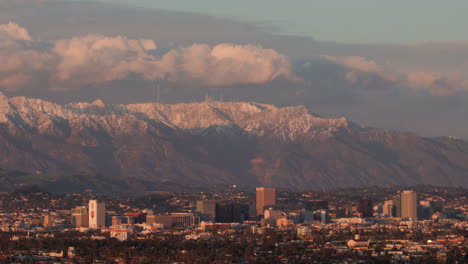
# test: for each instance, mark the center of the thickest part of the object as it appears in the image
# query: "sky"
(357, 21)
(393, 64)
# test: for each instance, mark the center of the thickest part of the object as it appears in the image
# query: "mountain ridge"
(219, 143)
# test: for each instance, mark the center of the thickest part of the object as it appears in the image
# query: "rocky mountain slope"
(217, 143)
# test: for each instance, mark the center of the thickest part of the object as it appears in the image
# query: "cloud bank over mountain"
(422, 79)
(77, 62)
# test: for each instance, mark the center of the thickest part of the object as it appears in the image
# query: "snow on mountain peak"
(230, 118)
(253, 118)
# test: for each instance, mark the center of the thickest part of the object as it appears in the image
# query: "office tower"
(364, 208)
(387, 208)
(97, 214)
(81, 220)
(409, 205)
(80, 210)
(396, 209)
(425, 210)
(228, 212)
(207, 209)
(265, 197)
(118, 220)
(48, 221)
(245, 212)
(80, 217)
(321, 215)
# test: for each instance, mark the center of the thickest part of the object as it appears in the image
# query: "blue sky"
(357, 21)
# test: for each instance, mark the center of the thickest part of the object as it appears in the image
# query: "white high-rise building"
(97, 214)
(409, 205)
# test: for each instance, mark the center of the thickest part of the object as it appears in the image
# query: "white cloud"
(226, 64)
(13, 31)
(96, 59)
(21, 61)
(77, 62)
(416, 78)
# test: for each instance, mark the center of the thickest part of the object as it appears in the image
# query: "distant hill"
(211, 143)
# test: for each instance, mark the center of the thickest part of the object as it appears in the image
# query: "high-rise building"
(321, 215)
(80, 217)
(409, 205)
(119, 220)
(387, 208)
(97, 214)
(228, 212)
(364, 208)
(245, 212)
(265, 197)
(80, 220)
(425, 210)
(80, 210)
(48, 221)
(207, 209)
(396, 208)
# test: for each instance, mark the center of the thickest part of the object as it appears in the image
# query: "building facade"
(207, 209)
(387, 208)
(174, 220)
(409, 205)
(80, 217)
(265, 197)
(120, 232)
(365, 208)
(97, 214)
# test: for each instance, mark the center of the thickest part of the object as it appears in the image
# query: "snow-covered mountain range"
(217, 143)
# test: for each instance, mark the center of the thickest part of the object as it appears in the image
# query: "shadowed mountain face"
(211, 143)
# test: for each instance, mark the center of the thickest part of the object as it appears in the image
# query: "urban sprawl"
(265, 225)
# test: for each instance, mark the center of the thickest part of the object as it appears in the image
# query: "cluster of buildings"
(208, 212)
(265, 212)
(383, 227)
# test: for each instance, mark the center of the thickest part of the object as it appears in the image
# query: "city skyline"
(303, 221)
(138, 131)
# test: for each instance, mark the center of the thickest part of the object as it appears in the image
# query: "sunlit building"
(409, 205)
(97, 214)
(80, 217)
(120, 232)
(387, 208)
(265, 197)
(207, 209)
